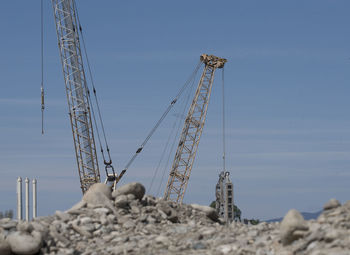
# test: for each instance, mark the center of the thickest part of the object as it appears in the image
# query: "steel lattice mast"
(192, 130)
(77, 92)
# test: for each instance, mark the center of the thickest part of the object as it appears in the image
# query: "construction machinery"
(78, 95)
(82, 115)
(224, 197)
(192, 130)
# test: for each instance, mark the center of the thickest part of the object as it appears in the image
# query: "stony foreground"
(127, 222)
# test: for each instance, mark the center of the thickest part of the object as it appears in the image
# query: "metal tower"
(77, 92)
(192, 130)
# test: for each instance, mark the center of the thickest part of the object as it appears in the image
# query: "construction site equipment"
(78, 96)
(224, 187)
(224, 197)
(192, 130)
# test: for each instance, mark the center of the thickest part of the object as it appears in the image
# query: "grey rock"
(99, 195)
(180, 229)
(135, 209)
(89, 228)
(131, 197)
(112, 219)
(209, 212)
(149, 200)
(96, 195)
(40, 227)
(102, 210)
(8, 224)
(170, 213)
(85, 220)
(81, 231)
(122, 201)
(199, 246)
(135, 188)
(25, 227)
(23, 243)
(5, 248)
(129, 224)
(103, 219)
(58, 236)
(331, 204)
(334, 234)
(123, 219)
(163, 240)
(101, 188)
(227, 248)
(206, 231)
(65, 217)
(292, 221)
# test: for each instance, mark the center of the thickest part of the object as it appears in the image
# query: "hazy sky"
(287, 87)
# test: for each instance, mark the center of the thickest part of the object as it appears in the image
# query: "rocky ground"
(129, 222)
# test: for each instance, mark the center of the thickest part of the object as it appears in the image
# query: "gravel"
(124, 222)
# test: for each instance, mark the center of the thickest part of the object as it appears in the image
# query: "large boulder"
(292, 227)
(135, 188)
(99, 194)
(25, 243)
(331, 204)
(102, 188)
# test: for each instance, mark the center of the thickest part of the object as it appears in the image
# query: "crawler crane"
(192, 130)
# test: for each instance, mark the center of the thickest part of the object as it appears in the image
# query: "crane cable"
(108, 163)
(172, 103)
(186, 103)
(42, 67)
(162, 156)
(168, 141)
(223, 121)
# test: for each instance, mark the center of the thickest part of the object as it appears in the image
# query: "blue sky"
(287, 85)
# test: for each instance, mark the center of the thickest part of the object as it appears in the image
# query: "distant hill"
(306, 215)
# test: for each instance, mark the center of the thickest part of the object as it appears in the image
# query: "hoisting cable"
(42, 68)
(223, 122)
(169, 137)
(172, 103)
(162, 156)
(108, 163)
(176, 137)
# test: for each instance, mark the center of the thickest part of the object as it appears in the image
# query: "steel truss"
(77, 92)
(191, 132)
